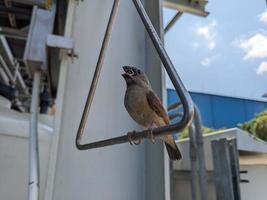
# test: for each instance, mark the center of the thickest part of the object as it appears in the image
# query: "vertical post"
(158, 168)
(193, 161)
(234, 158)
(222, 170)
(200, 154)
(197, 157)
(33, 187)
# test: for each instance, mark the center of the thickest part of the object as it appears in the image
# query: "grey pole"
(200, 154)
(193, 161)
(223, 177)
(41, 3)
(33, 187)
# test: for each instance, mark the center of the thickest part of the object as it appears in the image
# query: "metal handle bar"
(185, 98)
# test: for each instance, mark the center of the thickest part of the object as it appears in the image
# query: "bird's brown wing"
(156, 105)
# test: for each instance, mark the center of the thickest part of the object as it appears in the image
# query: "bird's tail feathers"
(173, 151)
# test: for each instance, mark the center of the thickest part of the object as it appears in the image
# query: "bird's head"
(133, 75)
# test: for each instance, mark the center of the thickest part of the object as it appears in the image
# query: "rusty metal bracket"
(188, 106)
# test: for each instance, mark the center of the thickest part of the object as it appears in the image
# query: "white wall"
(14, 157)
(117, 172)
(182, 189)
(256, 188)
(257, 174)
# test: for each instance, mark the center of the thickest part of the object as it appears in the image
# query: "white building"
(252, 158)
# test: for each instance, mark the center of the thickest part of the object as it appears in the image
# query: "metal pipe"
(6, 69)
(13, 33)
(193, 161)
(11, 17)
(200, 154)
(173, 21)
(182, 92)
(11, 66)
(175, 106)
(98, 68)
(33, 188)
(15, 10)
(175, 116)
(4, 77)
(40, 3)
(11, 36)
(20, 81)
(19, 105)
(18, 16)
(6, 53)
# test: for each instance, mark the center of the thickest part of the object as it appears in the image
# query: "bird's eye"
(138, 71)
(130, 72)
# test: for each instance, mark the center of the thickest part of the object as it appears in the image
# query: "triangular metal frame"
(188, 106)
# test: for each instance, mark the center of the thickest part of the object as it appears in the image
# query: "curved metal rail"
(196, 152)
(188, 106)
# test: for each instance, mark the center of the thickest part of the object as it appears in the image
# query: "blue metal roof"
(222, 111)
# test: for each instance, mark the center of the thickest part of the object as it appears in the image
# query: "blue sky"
(224, 53)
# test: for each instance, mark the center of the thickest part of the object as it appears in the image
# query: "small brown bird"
(145, 107)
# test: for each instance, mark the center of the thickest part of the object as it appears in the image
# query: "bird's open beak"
(126, 76)
(127, 69)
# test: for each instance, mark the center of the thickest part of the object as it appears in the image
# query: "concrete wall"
(14, 157)
(117, 172)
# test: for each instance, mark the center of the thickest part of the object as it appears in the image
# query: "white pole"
(33, 187)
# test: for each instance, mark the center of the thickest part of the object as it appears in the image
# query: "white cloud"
(209, 33)
(254, 47)
(262, 68)
(263, 17)
(195, 45)
(207, 61)
(212, 45)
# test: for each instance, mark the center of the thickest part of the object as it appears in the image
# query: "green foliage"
(205, 131)
(257, 126)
